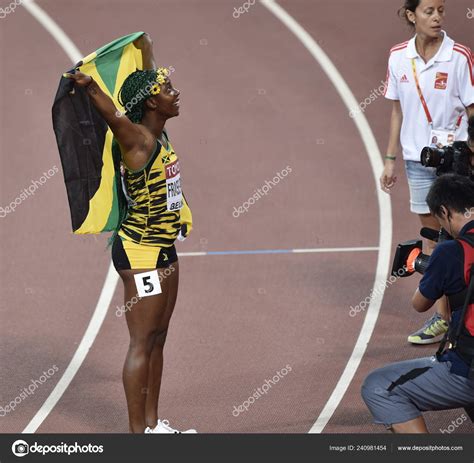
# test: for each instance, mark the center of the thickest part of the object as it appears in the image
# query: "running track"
(254, 100)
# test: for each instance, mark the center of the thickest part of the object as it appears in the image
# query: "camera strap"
(422, 98)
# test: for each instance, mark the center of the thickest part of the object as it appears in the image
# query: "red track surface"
(253, 102)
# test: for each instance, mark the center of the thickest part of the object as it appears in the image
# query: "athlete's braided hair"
(134, 91)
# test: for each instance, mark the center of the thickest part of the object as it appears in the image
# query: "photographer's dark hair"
(470, 129)
(455, 192)
(410, 5)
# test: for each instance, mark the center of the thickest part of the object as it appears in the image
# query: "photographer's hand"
(388, 178)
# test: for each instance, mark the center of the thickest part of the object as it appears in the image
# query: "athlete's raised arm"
(133, 138)
(145, 44)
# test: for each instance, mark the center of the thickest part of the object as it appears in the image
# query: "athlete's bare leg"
(145, 320)
(156, 360)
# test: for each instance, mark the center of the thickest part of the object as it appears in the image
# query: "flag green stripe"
(119, 43)
(108, 66)
(97, 202)
(114, 211)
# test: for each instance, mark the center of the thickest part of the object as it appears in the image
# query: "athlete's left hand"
(143, 42)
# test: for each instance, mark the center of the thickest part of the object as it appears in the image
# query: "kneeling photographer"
(457, 158)
(398, 393)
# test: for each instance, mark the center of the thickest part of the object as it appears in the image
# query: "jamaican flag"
(90, 160)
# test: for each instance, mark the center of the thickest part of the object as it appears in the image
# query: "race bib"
(147, 283)
(174, 195)
(440, 138)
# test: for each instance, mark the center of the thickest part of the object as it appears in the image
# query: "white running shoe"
(163, 427)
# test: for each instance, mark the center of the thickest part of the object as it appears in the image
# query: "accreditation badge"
(440, 138)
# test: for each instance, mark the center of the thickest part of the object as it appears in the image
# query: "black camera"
(449, 159)
(409, 259)
(408, 256)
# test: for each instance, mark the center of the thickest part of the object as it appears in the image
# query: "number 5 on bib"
(147, 283)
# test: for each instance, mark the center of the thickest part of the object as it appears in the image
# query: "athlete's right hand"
(79, 78)
(388, 178)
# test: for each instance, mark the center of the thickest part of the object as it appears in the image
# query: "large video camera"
(455, 159)
(408, 256)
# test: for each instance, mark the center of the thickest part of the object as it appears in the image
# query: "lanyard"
(420, 93)
(422, 98)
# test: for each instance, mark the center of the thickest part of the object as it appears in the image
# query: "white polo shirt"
(448, 87)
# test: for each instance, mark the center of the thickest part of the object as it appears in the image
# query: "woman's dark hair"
(455, 192)
(470, 129)
(133, 93)
(410, 5)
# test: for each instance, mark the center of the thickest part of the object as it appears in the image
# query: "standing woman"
(430, 81)
(143, 251)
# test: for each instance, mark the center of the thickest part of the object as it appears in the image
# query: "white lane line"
(81, 353)
(112, 277)
(384, 204)
(190, 254)
(52, 27)
(297, 251)
(276, 251)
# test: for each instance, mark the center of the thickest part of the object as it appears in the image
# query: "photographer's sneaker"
(431, 332)
(163, 427)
